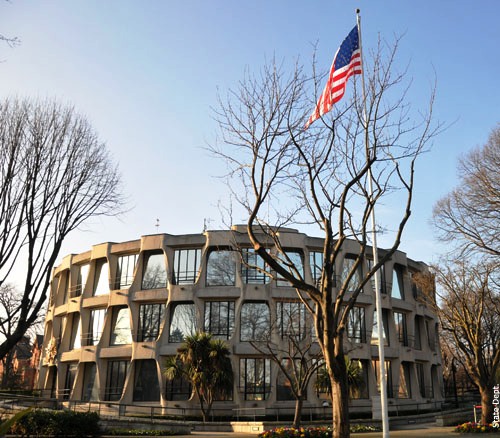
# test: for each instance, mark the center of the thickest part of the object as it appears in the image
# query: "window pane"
(178, 389)
(121, 334)
(182, 322)
(385, 328)
(347, 266)
(219, 318)
(155, 272)
(381, 273)
(90, 387)
(291, 319)
(358, 385)
(69, 380)
(186, 265)
(284, 387)
(83, 272)
(356, 328)
(221, 268)
(115, 379)
(418, 333)
(404, 381)
(255, 378)
(400, 325)
(294, 263)
(316, 262)
(388, 375)
(397, 283)
(96, 326)
(253, 268)
(101, 284)
(76, 333)
(150, 319)
(255, 321)
(125, 271)
(146, 386)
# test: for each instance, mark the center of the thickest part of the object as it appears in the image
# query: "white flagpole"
(378, 297)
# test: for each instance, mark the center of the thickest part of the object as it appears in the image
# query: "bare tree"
(469, 216)
(469, 314)
(291, 346)
(282, 174)
(54, 175)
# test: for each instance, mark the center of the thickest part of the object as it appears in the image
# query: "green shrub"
(57, 423)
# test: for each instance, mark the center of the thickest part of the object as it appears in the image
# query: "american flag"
(347, 62)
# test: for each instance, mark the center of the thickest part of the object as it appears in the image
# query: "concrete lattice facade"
(117, 311)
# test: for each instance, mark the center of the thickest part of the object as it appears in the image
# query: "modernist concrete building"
(118, 310)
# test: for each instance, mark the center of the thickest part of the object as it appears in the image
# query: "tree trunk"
(340, 409)
(486, 405)
(298, 412)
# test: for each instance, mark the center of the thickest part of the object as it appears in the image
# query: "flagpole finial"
(358, 10)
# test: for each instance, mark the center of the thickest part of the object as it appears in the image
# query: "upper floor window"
(418, 332)
(385, 328)
(219, 318)
(356, 326)
(291, 319)
(255, 321)
(150, 318)
(347, 266)
(182, 322)
(81, 279)
(155, 273)
(96, 326)
(293, 262)
(221, 268)
(316, 263)
(125, 271)
(397, 290)
(381, 278)
(186, 265)
(101, 278)
(253, 268)
(120, 334)
(76, 334)
(401, 329)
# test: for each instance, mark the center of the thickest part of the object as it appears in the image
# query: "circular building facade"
(118, 311)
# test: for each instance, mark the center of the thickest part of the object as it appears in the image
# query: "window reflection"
(255, 378)
(101, 283)
(96, 326)
(255, 321)
(150, 319)
(182, 322)
(253, 268)
(186, 265)
(221, 268)
(125, 271)
(219, 318)
(90, 384)
(121, 334)
(397, 283)
(155, 272)
(115, 379)
(293, 262)
(347, 266)
(356, 328)
(291, 319)
(385, 328)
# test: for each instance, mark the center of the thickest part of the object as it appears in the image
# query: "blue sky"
(146, 74)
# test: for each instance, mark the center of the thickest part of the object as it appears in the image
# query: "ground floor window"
(90, 387)
(69, 380)
(255, 378)
(115, 379)
(146, 386)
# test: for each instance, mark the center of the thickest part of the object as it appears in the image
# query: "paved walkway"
(421, 430)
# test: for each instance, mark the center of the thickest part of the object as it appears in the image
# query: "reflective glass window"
(221, 268)
(291, 319)
(125, 271)
(253, 268)
(121, 334)
(294, 263)
(219, 318)
(155, 271)
(255, 378)
(182, 322)
(186, 265)
(356, 326)
(101, 280)
(115, 379)
(255, 321)
(150, 319)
